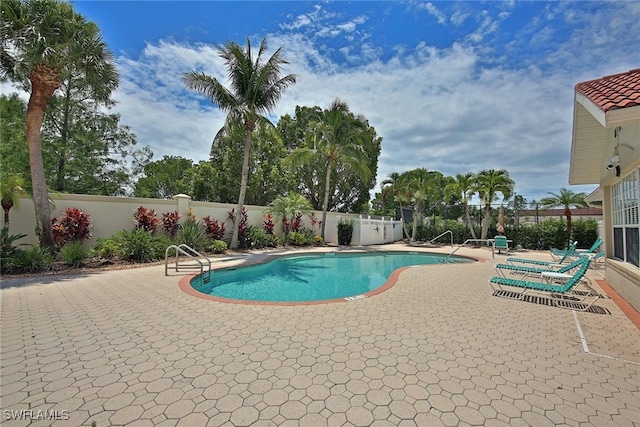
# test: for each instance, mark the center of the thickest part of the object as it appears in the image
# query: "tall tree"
(268, 177)
(416, 182)
(87, 150)
(336, 139)
(39, 41)
(567, 199)
(256, 87)
(463, 186)
(490, 183)
(165, 178)
(84, 149)
(350, 191)
(14, 155)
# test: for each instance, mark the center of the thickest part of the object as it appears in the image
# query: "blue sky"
(451, 86)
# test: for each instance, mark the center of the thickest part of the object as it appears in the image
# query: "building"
(605, 150)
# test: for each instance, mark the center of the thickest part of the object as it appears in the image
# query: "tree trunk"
(485, 221)
(468, 215)
(325, 203)
(416, 208)
(567, 213)
(64, 136)
(404, 227)
(44, 82)
(249, 125)
(6, 206)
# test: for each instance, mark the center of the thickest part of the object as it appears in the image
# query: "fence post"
(182, 204)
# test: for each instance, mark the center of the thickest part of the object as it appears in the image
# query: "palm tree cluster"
(418, 187)
(334, 138)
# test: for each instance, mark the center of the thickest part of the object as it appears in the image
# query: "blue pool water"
(312, 277)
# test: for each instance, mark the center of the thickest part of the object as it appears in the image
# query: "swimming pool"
(312, 277)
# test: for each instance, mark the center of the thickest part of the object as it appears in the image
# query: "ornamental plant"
(145, 219)
(268, 224)
(296, 223)
(244, 221)
(315, 221)
(214, 228)
(72, 225)
(171, 222)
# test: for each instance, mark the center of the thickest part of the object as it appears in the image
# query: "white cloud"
(433, 10)
(440, 108)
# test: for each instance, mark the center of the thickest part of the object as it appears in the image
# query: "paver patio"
(128, 347)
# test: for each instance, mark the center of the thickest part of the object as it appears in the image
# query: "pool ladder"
(192, 260)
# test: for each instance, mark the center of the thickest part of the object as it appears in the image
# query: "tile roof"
(613, 92)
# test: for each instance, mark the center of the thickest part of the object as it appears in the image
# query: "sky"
(455, 87)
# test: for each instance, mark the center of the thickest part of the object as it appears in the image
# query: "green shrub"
(140, 245)
(301, 238)
(104, 248)
(345, 232)
(193, 235)
(7, 249)
(74, 253)
(585, 231)
(255, 238)
(218, 246)
(31, 260)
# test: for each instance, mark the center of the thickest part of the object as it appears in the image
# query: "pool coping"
(185, 282)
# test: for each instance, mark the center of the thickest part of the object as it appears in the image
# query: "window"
(625, 207)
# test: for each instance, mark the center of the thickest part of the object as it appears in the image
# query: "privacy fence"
(112, 214)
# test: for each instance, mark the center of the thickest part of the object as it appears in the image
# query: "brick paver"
(129, 347)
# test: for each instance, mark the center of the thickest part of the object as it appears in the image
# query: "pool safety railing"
(488, 241)
(440, 235)
(187, 258)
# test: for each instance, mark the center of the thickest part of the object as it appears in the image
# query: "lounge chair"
(593, 247)
(526, 270)
(500, 244)
(549, 286)
(563, 253)
(540, 263)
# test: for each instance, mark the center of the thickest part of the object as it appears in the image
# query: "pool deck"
(129, 347)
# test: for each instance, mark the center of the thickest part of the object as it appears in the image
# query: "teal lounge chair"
(563, 253)
(596, 245)
(500, 244)
(556, 292)
(540, 263)
(526, 270)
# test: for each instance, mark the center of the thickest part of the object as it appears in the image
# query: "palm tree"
(335, 138)
(488, 184)
(567, 199)
(464, 186)
(256, 87)
(286, 207)
(40, 40)
(10, 188)
(391, 187)
(416, 183)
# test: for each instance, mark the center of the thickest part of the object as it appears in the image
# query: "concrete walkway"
(129, 347)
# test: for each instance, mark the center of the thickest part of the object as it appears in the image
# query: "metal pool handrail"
(193, 255)
(476, 240)
(437, 237)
